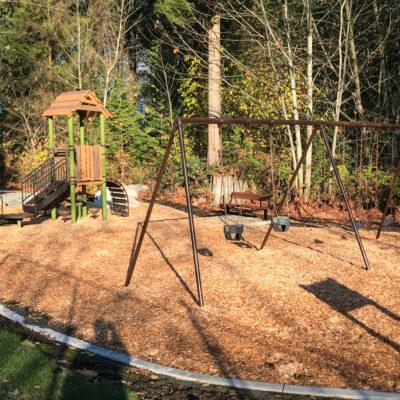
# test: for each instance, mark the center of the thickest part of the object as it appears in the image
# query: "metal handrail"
(44, 179)
(37, 169)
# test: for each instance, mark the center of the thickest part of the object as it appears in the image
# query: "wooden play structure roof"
(68, 103)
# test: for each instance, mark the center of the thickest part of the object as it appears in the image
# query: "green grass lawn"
(28, 373)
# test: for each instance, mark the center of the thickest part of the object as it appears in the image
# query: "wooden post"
(103, 164)
(50, 122)
(82, 141)
(71, 157)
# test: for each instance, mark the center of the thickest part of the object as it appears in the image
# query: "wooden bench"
(248, 202)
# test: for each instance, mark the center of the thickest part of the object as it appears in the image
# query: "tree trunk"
(78, 44)
(356, 77)
(310, 87)
(291, 142)
(356, 69)
(293, 91)
(343, 55)
(214, 90)
(224, 185)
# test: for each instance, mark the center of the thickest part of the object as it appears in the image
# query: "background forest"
(151, 61)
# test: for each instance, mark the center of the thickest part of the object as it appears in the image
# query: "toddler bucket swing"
(233, 231)
(280, 223)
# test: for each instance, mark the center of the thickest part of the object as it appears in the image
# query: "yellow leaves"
(243, 106)
(262, 95)
(192, 62)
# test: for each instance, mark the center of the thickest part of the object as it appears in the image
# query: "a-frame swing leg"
(389, 200)
(135, 256)
(190, 215)
(341, 186)
(339, 180)
(292, 179)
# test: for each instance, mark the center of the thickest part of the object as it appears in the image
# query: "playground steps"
(44, 199)
(119, 197)
(44, 185)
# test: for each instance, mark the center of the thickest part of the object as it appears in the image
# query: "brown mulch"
(301, 311)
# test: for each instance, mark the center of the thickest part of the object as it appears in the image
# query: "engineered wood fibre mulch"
(301, 311)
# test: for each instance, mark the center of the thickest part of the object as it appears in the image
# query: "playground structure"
(318, 126)
(73, 168)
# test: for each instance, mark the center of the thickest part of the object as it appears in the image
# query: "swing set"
(278, 220)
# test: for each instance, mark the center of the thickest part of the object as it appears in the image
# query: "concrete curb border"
(191, 377)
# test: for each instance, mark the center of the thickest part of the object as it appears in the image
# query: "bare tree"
(271, 60)
(293, 90)
(341, 72)
(113, 34)
(165, 75)
(78, 43)
(310, 91)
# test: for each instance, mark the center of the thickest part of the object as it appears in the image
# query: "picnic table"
(248, 202)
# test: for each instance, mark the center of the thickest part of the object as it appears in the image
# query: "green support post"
(82, 141)
(72, 168)
(103, 164)
(50, 122)
(79, 210)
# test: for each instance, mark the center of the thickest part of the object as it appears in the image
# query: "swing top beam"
(282, 122)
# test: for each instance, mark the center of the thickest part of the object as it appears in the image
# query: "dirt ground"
(301, 311)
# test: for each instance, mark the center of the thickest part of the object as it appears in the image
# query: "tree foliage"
(148, 62)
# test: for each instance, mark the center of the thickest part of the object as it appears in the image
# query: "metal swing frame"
(320, 125)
